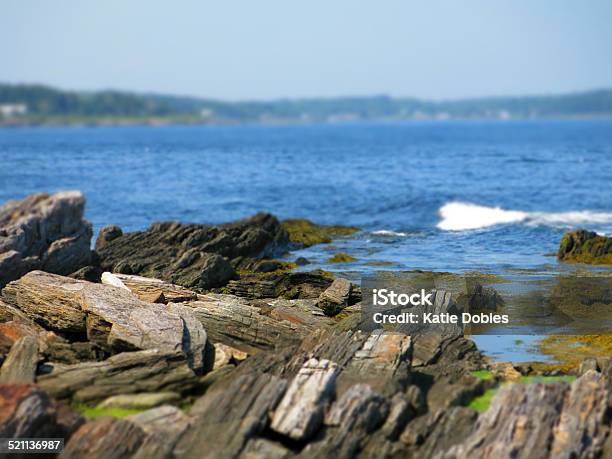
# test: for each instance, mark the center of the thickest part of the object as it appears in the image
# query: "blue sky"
(277, 48)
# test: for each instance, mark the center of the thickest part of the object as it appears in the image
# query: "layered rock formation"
(45, 232)
(270, 364)
(194, 256)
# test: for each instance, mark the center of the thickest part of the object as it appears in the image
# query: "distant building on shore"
(10, 110)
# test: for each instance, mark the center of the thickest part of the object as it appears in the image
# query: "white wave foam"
(461, 216)
(389, 233)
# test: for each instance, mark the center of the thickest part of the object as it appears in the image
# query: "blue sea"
(445, 196)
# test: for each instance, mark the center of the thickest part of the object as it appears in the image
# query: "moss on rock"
(306, 233)
(341, 257)
(585, 247)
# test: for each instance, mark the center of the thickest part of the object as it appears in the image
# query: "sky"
(269, 49)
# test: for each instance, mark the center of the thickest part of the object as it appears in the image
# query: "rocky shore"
(191, 341)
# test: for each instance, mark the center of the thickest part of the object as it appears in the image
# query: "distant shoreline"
(153, 123)
(38, 105)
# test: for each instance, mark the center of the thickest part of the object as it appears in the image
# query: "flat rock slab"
(236, 322)
(108, 316)
(126, 373)
(20, 364)
(44, 232)
(141, 401)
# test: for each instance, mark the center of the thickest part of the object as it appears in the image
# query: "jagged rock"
(301, 411)
(141, 401)
(27, 411)
(108, 234)
(542, 421)
(432, 434)
(126, 373)
(105, 438)
(163, 425)
(147, 288)
(43, 232)
(194, 256)
(20, 364)
(583, 246)
(357, 413)
(336, 297)
(229, 415)
(108, 316)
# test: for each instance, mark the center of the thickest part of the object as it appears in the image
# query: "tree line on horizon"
(46, 104)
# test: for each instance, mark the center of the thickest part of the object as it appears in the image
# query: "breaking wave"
(461, 216)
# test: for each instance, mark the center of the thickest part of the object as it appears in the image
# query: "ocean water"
(445, 196)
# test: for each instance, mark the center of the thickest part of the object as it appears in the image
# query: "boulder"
(45, 232)
(110, 317)
(126, 373)
(20, 364)
(583, 246)
(191, 255)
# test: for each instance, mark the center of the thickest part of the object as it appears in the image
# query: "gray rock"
(44, 232)
(20, 364)
(300, 412)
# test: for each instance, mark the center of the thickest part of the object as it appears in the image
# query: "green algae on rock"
(583, 246)
(341, 257)
(305, 233)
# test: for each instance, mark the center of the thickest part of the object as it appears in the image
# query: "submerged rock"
(45, 232)
(583, 246)
(191, 255)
